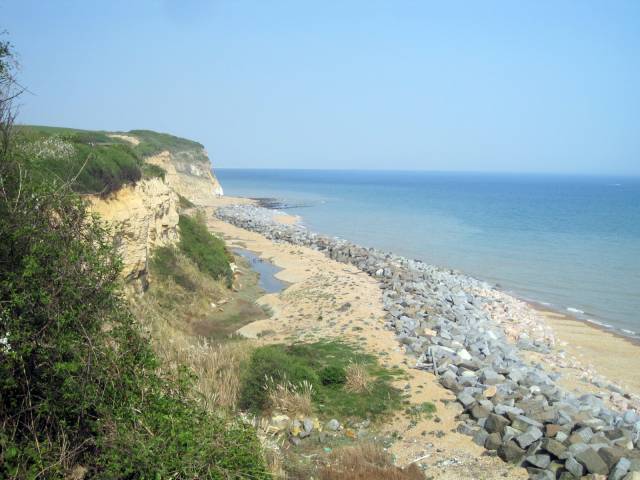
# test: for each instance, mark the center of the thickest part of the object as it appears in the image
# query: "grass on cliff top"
(327, 367)
(152, 143)
(93, 161)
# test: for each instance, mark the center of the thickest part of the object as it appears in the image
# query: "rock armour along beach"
(474, 338)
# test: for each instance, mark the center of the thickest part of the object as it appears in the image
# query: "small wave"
(575, 310)
(628, 332)
(600, 324)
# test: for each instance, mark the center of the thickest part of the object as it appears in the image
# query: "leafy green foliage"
(272, 363)
(79, 384)
(333, 375)
(91, 161)
(152, 171)
(322, 364)
(205, 249)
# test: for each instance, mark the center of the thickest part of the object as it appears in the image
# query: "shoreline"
(509, 365)
(327, 299)
(538, 305)
(610, 346)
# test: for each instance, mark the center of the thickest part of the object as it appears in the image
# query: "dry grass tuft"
(366, 461)
(358, 379)
(285, 397)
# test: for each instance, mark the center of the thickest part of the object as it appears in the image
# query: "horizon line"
(400, 170)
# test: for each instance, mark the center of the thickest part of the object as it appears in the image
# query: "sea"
(571, 243)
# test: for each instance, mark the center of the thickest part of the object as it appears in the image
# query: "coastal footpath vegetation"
(82, 393)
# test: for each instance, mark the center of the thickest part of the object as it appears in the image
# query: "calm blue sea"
(572, 242)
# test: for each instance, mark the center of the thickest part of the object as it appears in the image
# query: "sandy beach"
(600, 351)
(328, 299)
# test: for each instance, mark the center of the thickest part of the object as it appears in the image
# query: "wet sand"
(610, 355)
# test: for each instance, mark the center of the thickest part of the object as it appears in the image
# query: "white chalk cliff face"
(142, 216)
(189, 174)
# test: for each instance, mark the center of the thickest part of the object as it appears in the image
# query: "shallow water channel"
(266, 271)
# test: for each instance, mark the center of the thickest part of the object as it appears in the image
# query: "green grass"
(152, 171)
(420, 411)
(152, 143)
(100, 164)
(164, 263)
(316, 363)
(205, 249)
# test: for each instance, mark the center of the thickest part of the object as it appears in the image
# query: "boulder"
(592, 462)
(511, 452)
(539, 460)
(495, 423)
(554, 447)
(493, 441)
(620, 469)
(574, 467)
(332, 425)
(528, 437)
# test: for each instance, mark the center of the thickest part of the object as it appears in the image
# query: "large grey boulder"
(511, 452)
(496, 423)
(592, 462)
(528, 437)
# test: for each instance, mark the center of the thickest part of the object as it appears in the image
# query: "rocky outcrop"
(143, 216)
(189, 174)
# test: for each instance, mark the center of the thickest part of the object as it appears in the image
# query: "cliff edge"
(144, 214)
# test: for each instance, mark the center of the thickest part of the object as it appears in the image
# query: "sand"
(327, 299)
(609, 355)
(127, 138)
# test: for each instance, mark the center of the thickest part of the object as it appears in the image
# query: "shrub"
(333, 375)
(271, 364)
(322, 364)
(152, 171)
(79, 384)
(205, 249)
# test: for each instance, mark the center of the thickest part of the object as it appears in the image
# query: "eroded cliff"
(188, 173)
(142, 216)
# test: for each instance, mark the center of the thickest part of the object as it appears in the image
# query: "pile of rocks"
(454, 326)
(301, 428)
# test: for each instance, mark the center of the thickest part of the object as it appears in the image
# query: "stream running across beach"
(569, 242)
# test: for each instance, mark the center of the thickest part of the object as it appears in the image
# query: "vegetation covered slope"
(81, 392)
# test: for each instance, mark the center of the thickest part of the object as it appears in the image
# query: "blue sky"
(541, 86)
